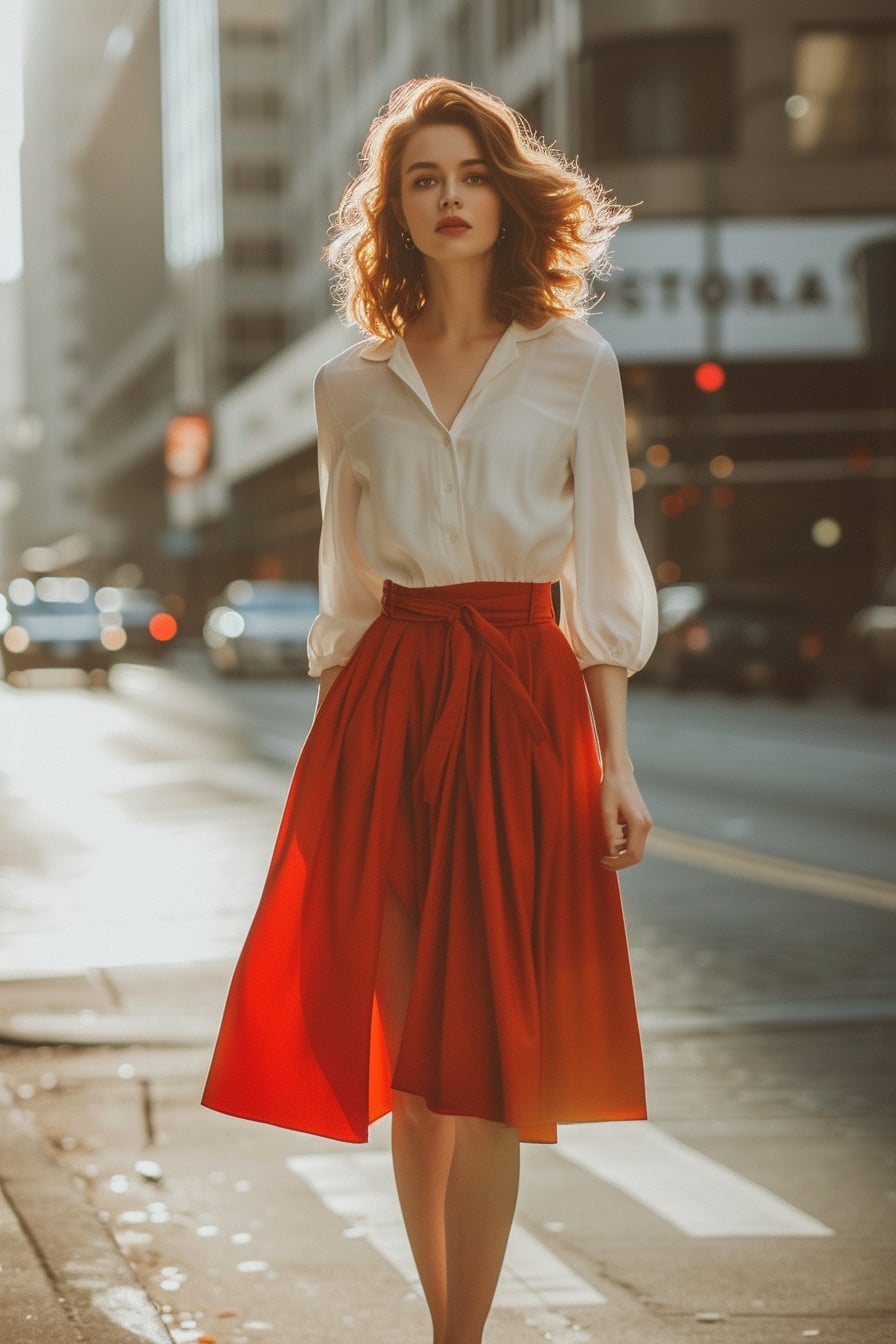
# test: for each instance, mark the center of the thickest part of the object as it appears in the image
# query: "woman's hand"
(626, 819)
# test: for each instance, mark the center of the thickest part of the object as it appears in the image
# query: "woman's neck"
(458, 304)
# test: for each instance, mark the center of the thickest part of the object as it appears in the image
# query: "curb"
(95, 1029)
(65, 1279)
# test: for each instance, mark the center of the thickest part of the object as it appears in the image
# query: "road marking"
(768, 1013)
(686, 1188)
(771, 870)
(359, 1188)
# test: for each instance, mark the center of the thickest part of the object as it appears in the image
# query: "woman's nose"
(451, 194)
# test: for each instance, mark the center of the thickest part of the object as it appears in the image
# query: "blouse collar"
(396, 355)
(384, 350)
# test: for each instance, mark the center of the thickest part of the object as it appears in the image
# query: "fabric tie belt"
(474, 613)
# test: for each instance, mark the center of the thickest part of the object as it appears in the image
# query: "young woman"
(441, 933)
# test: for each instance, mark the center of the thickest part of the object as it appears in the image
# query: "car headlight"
(113, 638)
(16, 639)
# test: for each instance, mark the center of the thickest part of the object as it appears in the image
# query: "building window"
(844, 90)
(533, 110)
(648, 97)
(254, 104)
(514, 19)
(262, 327)
(465, 41)
(260, 179)
(258, 253)
(379, 27)
(249, 36)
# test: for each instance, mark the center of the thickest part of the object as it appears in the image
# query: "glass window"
(844, 94)
(261, 178)
(465, 38)
(257, 253)
(533, 109)
(379, 27)
(246, 35)
(514, 19)
(255, 104)
(256, 327)
(646, 97)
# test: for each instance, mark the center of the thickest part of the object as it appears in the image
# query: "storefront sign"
(754, 289)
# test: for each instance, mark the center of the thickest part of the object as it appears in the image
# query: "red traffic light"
(709, 376)
(162, 626)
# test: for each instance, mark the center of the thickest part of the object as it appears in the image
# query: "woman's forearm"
(607, 687)
(625, 816)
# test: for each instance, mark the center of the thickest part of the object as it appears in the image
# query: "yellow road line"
(771, 870)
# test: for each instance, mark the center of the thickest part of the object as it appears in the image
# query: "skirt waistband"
(500, 603)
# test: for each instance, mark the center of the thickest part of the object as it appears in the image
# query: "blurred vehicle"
(871, 644)
(55, 623)
(150, 629)
(260, 627)
(735, 636)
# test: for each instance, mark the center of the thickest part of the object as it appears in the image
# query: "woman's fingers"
(627, 823)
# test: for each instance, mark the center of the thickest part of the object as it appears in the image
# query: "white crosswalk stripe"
(359, 1188)
(697, 1195)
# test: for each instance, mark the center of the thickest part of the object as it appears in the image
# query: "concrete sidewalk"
(129, 1213)
(64, 1278)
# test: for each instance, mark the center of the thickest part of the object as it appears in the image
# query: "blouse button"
(448, 487)
(452, 535)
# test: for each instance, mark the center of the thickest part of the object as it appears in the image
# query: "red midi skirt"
(453, 762)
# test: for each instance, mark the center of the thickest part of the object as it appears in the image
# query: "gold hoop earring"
(407, 241)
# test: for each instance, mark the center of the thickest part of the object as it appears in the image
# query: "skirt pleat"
(454, 763)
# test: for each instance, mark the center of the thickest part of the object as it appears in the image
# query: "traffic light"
(709, 376)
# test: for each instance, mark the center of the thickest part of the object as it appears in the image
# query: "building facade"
(62, 53)
(758, 145)
(760, 140)
(748, 307)
(156, 283)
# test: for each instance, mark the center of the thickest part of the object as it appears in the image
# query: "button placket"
(450, 505)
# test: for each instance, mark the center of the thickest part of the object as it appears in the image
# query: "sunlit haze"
(10, 138)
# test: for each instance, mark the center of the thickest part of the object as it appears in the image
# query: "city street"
(758, 1203)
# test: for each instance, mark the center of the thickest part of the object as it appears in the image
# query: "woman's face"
(444, 178)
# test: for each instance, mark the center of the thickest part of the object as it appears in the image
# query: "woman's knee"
(473, 1130)
(411, 1110)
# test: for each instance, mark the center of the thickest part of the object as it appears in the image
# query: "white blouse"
(531, 483)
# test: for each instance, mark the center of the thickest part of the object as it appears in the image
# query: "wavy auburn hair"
(558, 221)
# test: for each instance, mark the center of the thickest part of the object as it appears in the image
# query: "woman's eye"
(477, 179)
(423, 181)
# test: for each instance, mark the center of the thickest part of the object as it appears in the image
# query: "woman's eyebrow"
(465, 163)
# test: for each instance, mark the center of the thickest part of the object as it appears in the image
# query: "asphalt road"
(758, 1204)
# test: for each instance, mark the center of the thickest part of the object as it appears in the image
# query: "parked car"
(149, 628)
(55, 623)
(735, 636)
(260, 627)
(871, 643)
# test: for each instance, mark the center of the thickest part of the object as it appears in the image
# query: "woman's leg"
(457, 1177)
(479, 1206)
(422, 1149)
(422, 1142)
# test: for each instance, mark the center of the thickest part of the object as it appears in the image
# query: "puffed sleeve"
(608, 597)
(350, 592)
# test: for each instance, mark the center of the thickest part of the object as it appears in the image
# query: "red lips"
(452, 222)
